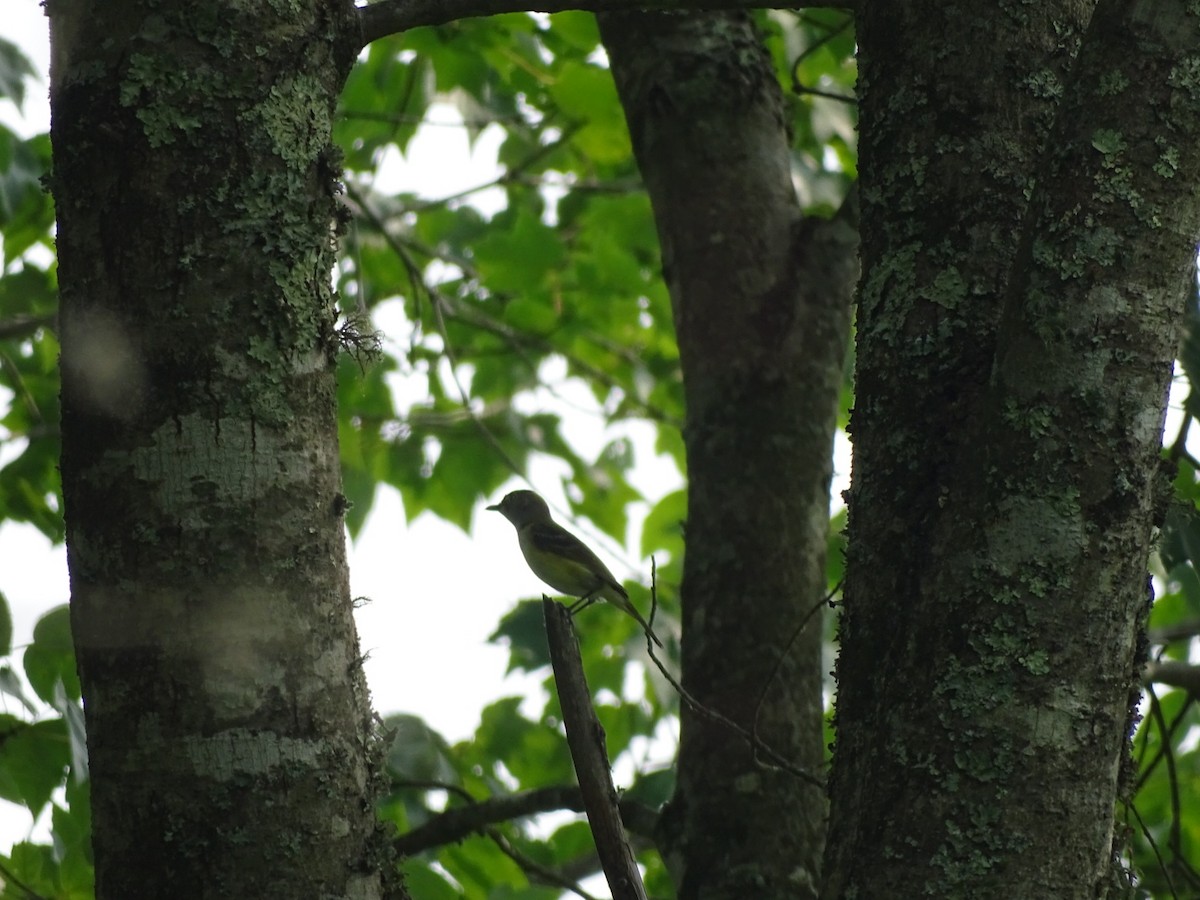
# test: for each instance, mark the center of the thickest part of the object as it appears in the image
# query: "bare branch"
(394, 16)
(1174, 674)
(1180, 631)
(24, 326)
(455, 824)
(585, 737)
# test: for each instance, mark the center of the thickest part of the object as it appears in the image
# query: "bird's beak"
(495, 508)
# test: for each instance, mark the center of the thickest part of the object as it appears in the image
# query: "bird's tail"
(622, 600)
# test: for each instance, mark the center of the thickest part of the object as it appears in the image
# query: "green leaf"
(586, 94)
(601, 491)
(72, 713)
(584, 91)
(33, 760)
(35, 867)
(417, 752)
(573, 841)
(6, 627)
(15, 67)
(11, 684)
(653, 788)
(72, 829)
(523, 629)
(1179, 542)
(467, 468)
(1108, 141)
(518, 259)
(51, 657)
(535, 754)
(578, 29)
(28, 291)
(26, 212)
(663, 528)
(534, 314)
(481, 868)
(383, 102)
(28, 486)
(422, 881)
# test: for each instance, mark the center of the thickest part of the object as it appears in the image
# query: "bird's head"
(522, 508)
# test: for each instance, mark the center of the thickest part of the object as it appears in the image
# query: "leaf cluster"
(518, 750)
(1164, 837)
(561, 284)
(29, 487)
(43, 761)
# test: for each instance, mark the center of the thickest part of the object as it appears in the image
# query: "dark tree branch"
(455, 824)
(23, 326)
(585, 736)
(1174, 674)
(394, 16)
(1180, 631)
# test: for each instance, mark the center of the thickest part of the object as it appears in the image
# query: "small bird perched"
(562, 560)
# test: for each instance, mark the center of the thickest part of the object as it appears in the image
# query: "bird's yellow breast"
(564, 575)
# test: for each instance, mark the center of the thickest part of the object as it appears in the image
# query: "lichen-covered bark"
(761, 305)
(228, 721)
(1013, 366)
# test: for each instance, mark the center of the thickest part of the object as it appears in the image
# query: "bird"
(562, 560)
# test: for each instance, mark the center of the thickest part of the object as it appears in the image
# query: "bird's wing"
(551, 538)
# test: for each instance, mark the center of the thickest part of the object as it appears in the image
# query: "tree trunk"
(229, 728)
(761, 301)
(1013, 364)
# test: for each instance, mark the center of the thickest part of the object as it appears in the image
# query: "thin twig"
(1162, 863)
(418, 784)
(798, 87)
(1172, 775)
(18, 386)
(401, 119)
(9, 878)
(510, 174)
(776, 759)
(827, 600)
(1148, 769)
(532, 867)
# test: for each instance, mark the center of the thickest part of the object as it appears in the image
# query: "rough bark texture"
(761, 304)
(228, 721)
(1013, 365)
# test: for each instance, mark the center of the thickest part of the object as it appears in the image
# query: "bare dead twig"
(585, 737)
